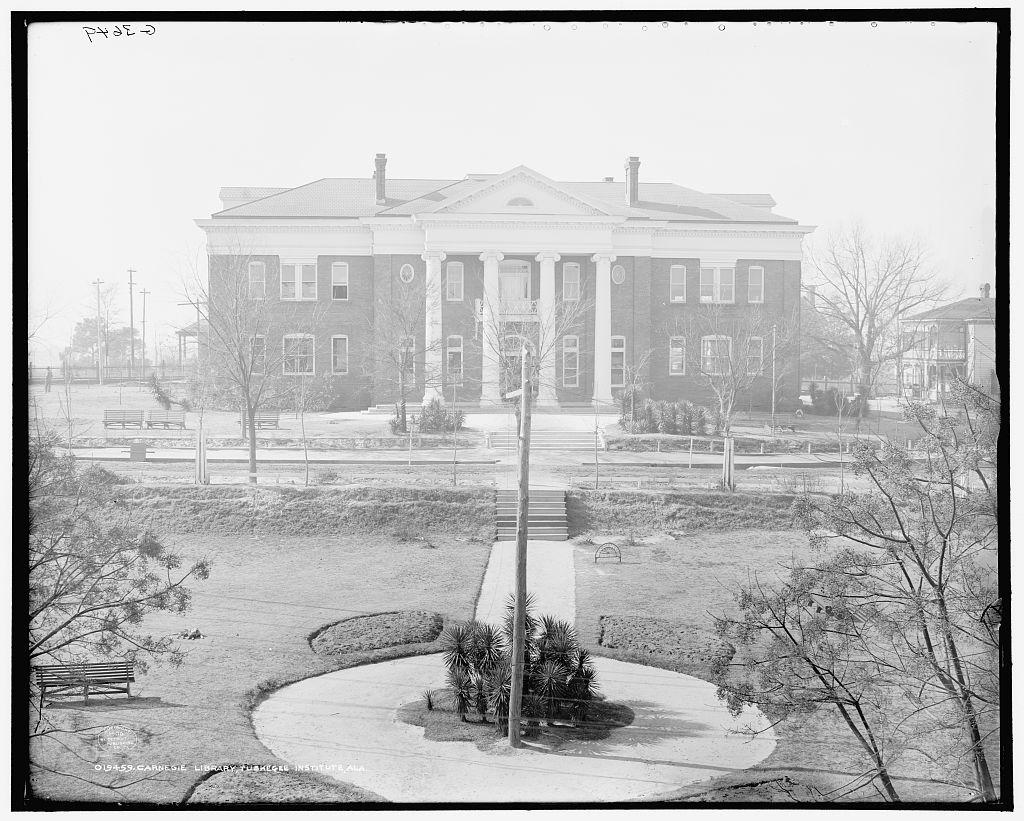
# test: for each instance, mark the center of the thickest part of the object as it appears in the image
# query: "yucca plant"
(498, 686)
(457, 646)
(548, 684)
(463, 695)
(582, 686)
(557, 673)
(488, 647)
(479, 695)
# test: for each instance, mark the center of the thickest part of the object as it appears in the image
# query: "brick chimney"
(985, 289)
(632, 180)
(378, 174)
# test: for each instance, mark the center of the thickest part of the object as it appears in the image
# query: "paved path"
(550, 577)
(344, 724)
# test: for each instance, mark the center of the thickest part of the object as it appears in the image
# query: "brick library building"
(600, 281)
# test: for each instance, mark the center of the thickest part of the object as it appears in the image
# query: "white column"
(547, 341)
(433, 344)
(491, 337)
(603, 329)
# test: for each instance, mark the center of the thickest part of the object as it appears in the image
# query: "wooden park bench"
(266, 419)
(122, 418)
(166, 419)
(99, 678)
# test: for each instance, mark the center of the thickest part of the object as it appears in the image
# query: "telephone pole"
(144, 293)
(522, 524)
(131, 321)
(99, 351)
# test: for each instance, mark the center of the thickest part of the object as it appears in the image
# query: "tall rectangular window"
(715, 355)
(755, 355)
(339, 280)
(571, 281)
(257, 280)
(298, 355)
(258, 354)
(755, 284)
(677, 283)
(618, 361)
(570, 361)
(298, 281)
(454, 282)
(716, 284)
(677, 356)
(339, 354)
(454, 359)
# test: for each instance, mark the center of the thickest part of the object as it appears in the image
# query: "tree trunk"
(252, 445)
(305, 446)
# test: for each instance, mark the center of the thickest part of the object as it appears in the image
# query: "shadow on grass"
(98, 701)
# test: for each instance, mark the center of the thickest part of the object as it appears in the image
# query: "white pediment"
(520, 191)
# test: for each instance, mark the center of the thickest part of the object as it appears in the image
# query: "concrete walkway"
(550, 577)
(344, 724)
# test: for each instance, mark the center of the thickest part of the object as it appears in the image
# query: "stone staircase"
(545, 440)
(546, 516)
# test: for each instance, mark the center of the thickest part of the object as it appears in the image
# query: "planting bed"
(376, 631)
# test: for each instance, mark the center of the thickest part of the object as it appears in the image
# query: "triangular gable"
(521, 191)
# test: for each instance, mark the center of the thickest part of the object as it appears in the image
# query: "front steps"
(545, 440)
(546, 518)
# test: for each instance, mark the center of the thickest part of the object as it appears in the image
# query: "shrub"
(700, 421)
(559, 680)
(667, 418)
(436, 418)
(685, 419)
(327, 476)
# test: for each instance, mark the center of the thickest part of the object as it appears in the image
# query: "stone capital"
(545, 256)
(609, 258)
(492, 256)
(433, 256)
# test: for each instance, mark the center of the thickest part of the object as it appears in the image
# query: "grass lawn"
(687, 580)
(265, 596)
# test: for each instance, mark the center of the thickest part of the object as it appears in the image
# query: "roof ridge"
(269, 196)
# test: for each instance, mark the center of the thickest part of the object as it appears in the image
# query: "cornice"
(282, 229)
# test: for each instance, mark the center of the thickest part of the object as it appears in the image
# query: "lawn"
(683, 583)
(265, 596)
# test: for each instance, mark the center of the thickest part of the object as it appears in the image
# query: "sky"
(130, 138)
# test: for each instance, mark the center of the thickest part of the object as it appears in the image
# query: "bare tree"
(732, 351)
(399, 356)
(901, 617)
(864, 286)
(505, 324)
(250, 342)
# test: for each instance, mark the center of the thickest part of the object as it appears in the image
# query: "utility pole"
(522, 525)
(131, 321)
(144, 293)
(99, 351)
